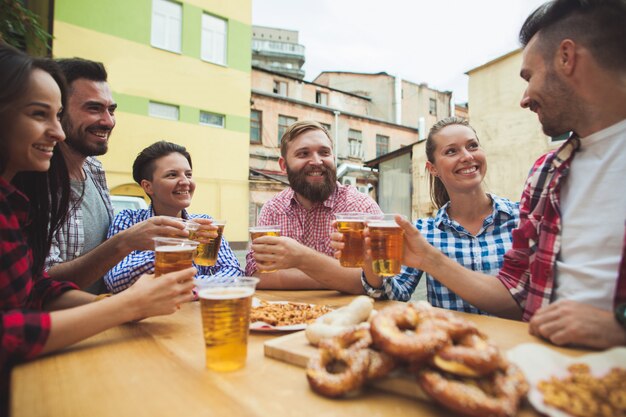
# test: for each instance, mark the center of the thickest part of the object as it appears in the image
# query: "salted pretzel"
(407, 333)
(496, 395)
(469, 355)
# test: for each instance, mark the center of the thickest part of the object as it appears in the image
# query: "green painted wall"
(131, 20)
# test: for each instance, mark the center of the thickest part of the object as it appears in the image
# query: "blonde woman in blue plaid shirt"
(163, 170)
(471, 226)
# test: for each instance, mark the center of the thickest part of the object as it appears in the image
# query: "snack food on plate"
(340, 320)
(582, 394)
(452, 360)
(286, 314)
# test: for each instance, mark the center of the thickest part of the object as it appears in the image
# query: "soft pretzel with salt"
(338, 321)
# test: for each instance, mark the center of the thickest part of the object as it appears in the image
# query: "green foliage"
(21, 27)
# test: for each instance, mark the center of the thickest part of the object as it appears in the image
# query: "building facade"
(277, 50)
(179, 71)
(357, 136)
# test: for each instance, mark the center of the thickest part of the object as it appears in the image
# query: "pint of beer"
(208, 248)
(173, 254)
(386, 243)
(258, 231)
(225, 306)
(351, 225)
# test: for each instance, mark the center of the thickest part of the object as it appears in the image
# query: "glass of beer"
(258, 231)
(172, 254)
(208, 248)
(225, 305)
(386, 244)
(351, 225)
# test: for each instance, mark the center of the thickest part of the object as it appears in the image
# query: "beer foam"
(225, 293)
(175, 248)
(383, 224)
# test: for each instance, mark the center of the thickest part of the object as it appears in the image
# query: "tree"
(21, 27)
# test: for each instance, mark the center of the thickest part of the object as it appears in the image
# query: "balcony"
(275, 48)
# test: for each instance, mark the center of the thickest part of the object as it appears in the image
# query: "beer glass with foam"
(258, 231)
(225, 304)
(386, 244)
(351, 225)
(172, 254)
(208, 248)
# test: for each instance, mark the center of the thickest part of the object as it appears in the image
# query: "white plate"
(261, 326)
(540, 363)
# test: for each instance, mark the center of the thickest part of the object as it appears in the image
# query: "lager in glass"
(208, 247)
(173, 254)
(225, 307)
(386, 244)
(258, 231)
(351, 225)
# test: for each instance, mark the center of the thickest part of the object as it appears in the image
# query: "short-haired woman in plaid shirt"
(471, 226)
(37, 314)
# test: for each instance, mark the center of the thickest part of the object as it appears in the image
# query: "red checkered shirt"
(24, 328)
(528, 269)
(311, 227)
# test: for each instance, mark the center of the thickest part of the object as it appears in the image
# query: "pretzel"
(496, 395)
(469, 355)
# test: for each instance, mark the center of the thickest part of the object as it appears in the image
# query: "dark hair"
(143, 167)
(438, 193)
(598, 25)
(76, 68)
(49, 191)
(296, 130)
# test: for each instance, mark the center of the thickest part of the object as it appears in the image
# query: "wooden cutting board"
(295, 349)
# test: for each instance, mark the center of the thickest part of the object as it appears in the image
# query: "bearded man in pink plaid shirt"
(302, 255)
(566, 271)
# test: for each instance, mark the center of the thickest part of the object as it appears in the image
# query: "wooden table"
(156, 368)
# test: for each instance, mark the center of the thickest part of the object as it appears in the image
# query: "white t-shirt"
(593, 209)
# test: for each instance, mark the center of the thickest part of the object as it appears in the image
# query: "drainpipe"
(337, 113)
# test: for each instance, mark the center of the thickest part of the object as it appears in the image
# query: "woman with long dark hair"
(39, 315)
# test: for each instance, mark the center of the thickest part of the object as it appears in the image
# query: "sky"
(422, 41)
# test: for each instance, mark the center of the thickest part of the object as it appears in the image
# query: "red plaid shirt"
(24, 328)
(311, 227)
(528, 269)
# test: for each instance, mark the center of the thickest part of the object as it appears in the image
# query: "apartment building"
(277, 50)
(180, 71)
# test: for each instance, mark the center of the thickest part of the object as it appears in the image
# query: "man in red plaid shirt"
(566, 271)
(305, 211)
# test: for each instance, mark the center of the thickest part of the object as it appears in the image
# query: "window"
(432, 107)
(355, 141)
(214, 38)
(255, 126)
(321, 98)
(280, 87)
(283, 123)
(211, 119)
(163, 111)
(326, 126)
(167, 19)
(382, 145)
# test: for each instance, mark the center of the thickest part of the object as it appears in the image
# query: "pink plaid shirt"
(528, 269)
(312, 227)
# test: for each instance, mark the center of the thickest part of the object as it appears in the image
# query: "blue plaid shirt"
(124, 274)
(483, 252)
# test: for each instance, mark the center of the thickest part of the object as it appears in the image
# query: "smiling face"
(310, 165)
(546, 94)
(90, 117)
(459, 161)
(33, 127)
(172, 185)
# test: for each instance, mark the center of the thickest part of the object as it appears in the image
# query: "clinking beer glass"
(172, 254)
(386, 244)
(351, 225)
(258, 231)
(225, 305)
(208, 248)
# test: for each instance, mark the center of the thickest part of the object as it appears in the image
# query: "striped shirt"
(125, 273)
(313, 227)
(482, 252)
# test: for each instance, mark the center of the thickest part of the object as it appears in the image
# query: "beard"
(560, 106)
(78, 140)
(315, 193)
